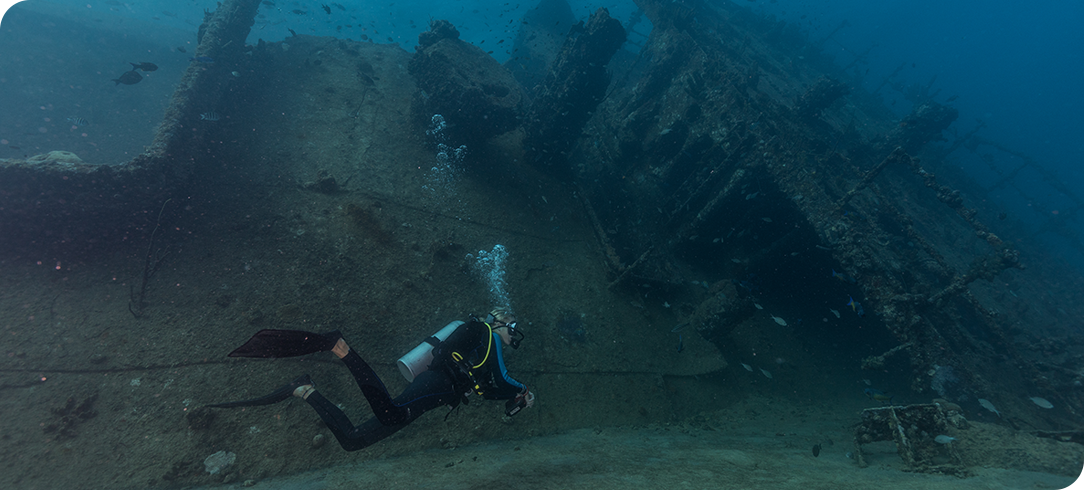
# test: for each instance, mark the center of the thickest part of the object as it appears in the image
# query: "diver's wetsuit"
(444, 383)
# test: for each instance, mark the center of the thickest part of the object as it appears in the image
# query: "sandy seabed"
(655, 457)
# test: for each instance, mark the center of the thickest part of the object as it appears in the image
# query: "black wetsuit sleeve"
(504, 387)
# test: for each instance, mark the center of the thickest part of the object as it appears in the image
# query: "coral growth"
(70, 416)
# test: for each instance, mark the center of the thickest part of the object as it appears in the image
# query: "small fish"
(779, 320)
(867, 382)
(816, 450)
(747, 367)
(751, 196)
(181, 49)
(1042, 402)
(298, 11)
(758, 306)
(326, 9)
(766, 373)
(681, 344)
(943, 439)
(679, 327)
(875, 394)
(989, 406)
(834, 312)
(750, 285)
(209, 116)
(77, 121)
(843, 277)
(236, 74)
(856, 307)
(202, 59)
(143, 65)
(128, 78)
(767, 220)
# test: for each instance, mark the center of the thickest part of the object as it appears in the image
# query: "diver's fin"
(286, 343)
(282, 393)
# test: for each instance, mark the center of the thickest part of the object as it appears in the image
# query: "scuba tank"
(417, 360)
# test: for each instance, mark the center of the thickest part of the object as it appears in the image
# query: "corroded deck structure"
(730, 148)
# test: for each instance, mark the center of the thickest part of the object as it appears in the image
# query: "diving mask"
(501, 317)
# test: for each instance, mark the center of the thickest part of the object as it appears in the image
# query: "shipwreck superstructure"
(661, 193)
(739, 153)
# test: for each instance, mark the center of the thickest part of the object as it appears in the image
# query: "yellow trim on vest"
(457, 357)
(488, 347)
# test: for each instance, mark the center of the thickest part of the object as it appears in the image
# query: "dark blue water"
(1018, 67)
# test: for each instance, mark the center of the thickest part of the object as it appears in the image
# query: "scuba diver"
(462, 358)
